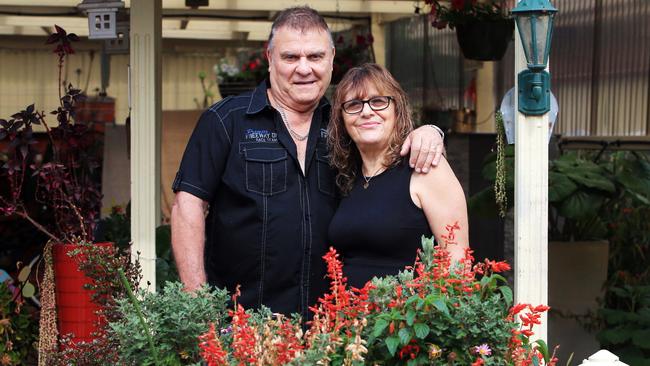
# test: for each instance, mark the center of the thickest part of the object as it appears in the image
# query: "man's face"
(300, 66)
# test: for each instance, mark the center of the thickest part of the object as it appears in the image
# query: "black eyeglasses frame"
(367, 101)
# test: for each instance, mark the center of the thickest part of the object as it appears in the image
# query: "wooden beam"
(342, 6)
(172, 28)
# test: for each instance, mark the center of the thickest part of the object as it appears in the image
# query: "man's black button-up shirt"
(267, 225)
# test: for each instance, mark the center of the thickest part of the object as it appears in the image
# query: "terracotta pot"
(76, 313)
(485, 40)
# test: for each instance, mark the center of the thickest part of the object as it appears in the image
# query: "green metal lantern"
(535, 23)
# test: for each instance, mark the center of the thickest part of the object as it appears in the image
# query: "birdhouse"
(102, 15)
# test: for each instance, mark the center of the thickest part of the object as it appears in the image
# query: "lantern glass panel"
(525, 32)
(541, 30)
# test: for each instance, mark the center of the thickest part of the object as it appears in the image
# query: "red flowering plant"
(66, 190)
(452, 13)
(253, 338)
(434, 313)
(352, 49)
(254, 68)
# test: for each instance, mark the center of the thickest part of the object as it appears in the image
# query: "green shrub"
(174, 319)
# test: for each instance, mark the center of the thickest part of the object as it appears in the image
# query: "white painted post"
(377, 28)
(145, 59)
(603, 358)
(531, 204)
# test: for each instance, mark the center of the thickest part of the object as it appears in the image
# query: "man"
(258, 161)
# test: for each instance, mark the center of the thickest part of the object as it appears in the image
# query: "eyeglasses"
(355, 106)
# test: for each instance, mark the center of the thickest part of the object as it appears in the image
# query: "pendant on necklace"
(365, 185)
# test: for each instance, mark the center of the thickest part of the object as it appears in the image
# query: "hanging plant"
(500, 191)
(460, 12)
(483, 28)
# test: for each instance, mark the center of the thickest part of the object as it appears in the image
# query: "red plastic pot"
(76, 313)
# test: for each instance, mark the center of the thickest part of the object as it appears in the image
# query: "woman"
(386, 207)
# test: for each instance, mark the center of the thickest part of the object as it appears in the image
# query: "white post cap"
(603, 358)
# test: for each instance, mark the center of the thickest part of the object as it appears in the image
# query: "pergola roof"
(221, 20)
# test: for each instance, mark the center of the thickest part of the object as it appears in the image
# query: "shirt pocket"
(266, 170)
(326, 174)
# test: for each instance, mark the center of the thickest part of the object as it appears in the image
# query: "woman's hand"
(427, 147)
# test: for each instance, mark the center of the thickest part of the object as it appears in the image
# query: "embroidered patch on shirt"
(260, 135)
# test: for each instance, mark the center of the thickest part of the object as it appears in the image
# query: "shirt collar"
(260, 100)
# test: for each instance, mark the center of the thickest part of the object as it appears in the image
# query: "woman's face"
(370, 128)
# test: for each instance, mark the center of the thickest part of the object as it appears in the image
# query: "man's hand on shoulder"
(426, 145)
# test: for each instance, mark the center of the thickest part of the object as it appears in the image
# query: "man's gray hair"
(301, 18)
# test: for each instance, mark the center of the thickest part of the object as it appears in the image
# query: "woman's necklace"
(291, 131)
(367, 179)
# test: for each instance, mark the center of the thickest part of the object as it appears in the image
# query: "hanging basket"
(485, 40)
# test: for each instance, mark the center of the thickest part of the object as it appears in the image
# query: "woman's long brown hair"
(343, 153)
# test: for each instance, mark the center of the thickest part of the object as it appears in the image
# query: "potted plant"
(234, 79)
(483, 28)
(434, 313)
(65, 201)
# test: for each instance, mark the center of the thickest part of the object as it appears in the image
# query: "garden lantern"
(102, 15)
(535, 23)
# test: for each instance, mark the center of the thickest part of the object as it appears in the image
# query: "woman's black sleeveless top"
(378, 230)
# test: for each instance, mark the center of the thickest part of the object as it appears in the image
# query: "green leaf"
(24, 273)
(580, 204)
(485, 280)
(421, 330)
(615, 336)
(535, 361)
(543, 349)
(592, 180)
(641, 338)
(612, 316)
(392, 343)
(29, 290)
(404, 336)
(507, 294)
(410, 317)
(499, 277)
(441, 306)
(380, 326)
(420, 303)
(559, 187)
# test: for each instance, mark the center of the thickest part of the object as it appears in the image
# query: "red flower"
(479, 361)
(211, 348)
(498, 266)
(409, 351)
